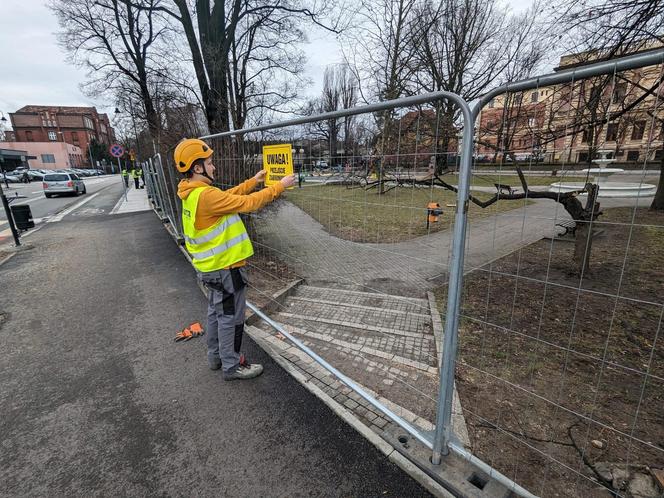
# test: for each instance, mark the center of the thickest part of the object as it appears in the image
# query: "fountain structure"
(601, 175)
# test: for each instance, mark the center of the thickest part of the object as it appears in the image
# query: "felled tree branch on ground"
(583, 215)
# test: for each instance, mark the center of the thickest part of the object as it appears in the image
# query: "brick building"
(570, 123)
(77, 126)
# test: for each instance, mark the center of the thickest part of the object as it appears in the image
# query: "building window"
(612, 132)
(632, 155)
(583, 157)
(88, 122)
(619, 92)
(638, 130)
(584, 136)
(531, 122)
(533, 97)
(74, 137)
(48, 158)
(52, 136)
(28, 136)
(658, 154)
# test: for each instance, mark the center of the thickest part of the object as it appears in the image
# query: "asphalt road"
(102, 194)
(42, 207)
(97, 399)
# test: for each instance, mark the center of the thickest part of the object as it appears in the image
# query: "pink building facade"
(49, 155)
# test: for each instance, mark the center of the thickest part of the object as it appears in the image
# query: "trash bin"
(22, 217)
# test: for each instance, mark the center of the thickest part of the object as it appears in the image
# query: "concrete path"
(405, 267)
(136, 200)
(97, 399)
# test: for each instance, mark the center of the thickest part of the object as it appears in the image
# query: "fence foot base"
(456, 475)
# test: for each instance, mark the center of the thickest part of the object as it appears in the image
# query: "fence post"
(443, 434)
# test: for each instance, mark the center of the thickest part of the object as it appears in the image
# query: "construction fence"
(509, 318)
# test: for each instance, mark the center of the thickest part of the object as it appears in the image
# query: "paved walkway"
(136, 200)
(411, 266)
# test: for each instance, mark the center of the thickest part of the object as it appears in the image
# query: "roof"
(410, 117)
(58, 109)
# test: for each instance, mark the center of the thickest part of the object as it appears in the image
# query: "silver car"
(63, 183)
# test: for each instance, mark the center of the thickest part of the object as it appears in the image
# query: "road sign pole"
(122, 178)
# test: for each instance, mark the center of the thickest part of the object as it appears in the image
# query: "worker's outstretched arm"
(215, 202)
(244, 188)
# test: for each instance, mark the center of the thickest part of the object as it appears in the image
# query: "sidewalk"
(137, 200)
(98, 399)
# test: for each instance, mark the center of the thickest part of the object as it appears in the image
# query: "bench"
(569, 226)
(501, 187)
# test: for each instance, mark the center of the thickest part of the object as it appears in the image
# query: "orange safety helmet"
(188, 150)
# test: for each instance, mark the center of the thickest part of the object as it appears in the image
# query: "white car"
(63, 183)
(10, 177)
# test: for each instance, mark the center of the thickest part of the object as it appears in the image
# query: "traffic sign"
(116, 150)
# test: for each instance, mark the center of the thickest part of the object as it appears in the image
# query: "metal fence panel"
(557, 369)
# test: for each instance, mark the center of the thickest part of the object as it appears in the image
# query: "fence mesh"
(559, 366)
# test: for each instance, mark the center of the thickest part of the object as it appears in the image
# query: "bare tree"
(228, 36)
(609, 28)
(264, 59)
(114, 40)
(467, 46)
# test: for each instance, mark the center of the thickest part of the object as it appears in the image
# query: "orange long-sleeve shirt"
(214, 203)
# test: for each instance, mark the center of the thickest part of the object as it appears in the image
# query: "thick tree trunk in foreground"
(658, 201)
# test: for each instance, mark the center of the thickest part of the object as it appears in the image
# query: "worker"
(134, 175)
(219, 246)
(125, 176)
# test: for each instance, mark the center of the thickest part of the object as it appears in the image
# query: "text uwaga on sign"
(278, 162)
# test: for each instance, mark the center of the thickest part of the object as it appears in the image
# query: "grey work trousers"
(225, 323)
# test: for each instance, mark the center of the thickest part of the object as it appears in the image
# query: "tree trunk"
(582, 246)
(658, 201)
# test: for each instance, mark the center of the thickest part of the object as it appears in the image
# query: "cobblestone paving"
(387, 346)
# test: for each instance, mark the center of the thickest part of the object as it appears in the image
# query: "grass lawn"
(400, 214)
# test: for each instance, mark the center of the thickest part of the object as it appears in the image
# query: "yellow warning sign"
(278, 162)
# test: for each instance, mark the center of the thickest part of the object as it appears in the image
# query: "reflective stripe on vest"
(219, 246)
(234, 218)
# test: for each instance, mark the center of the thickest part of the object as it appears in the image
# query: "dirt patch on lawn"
(266, 275)
(562, 377)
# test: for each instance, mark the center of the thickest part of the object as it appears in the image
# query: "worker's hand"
(260, 176)
(288, 181)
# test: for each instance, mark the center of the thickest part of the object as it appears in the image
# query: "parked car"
(35, 175)
(63, 183)
(10, 177)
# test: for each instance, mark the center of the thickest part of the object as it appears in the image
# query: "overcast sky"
(34, 70)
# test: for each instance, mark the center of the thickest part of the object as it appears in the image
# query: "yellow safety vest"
(219, 246)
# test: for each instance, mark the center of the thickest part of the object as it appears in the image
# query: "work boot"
(214, 363)
(244, 371)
